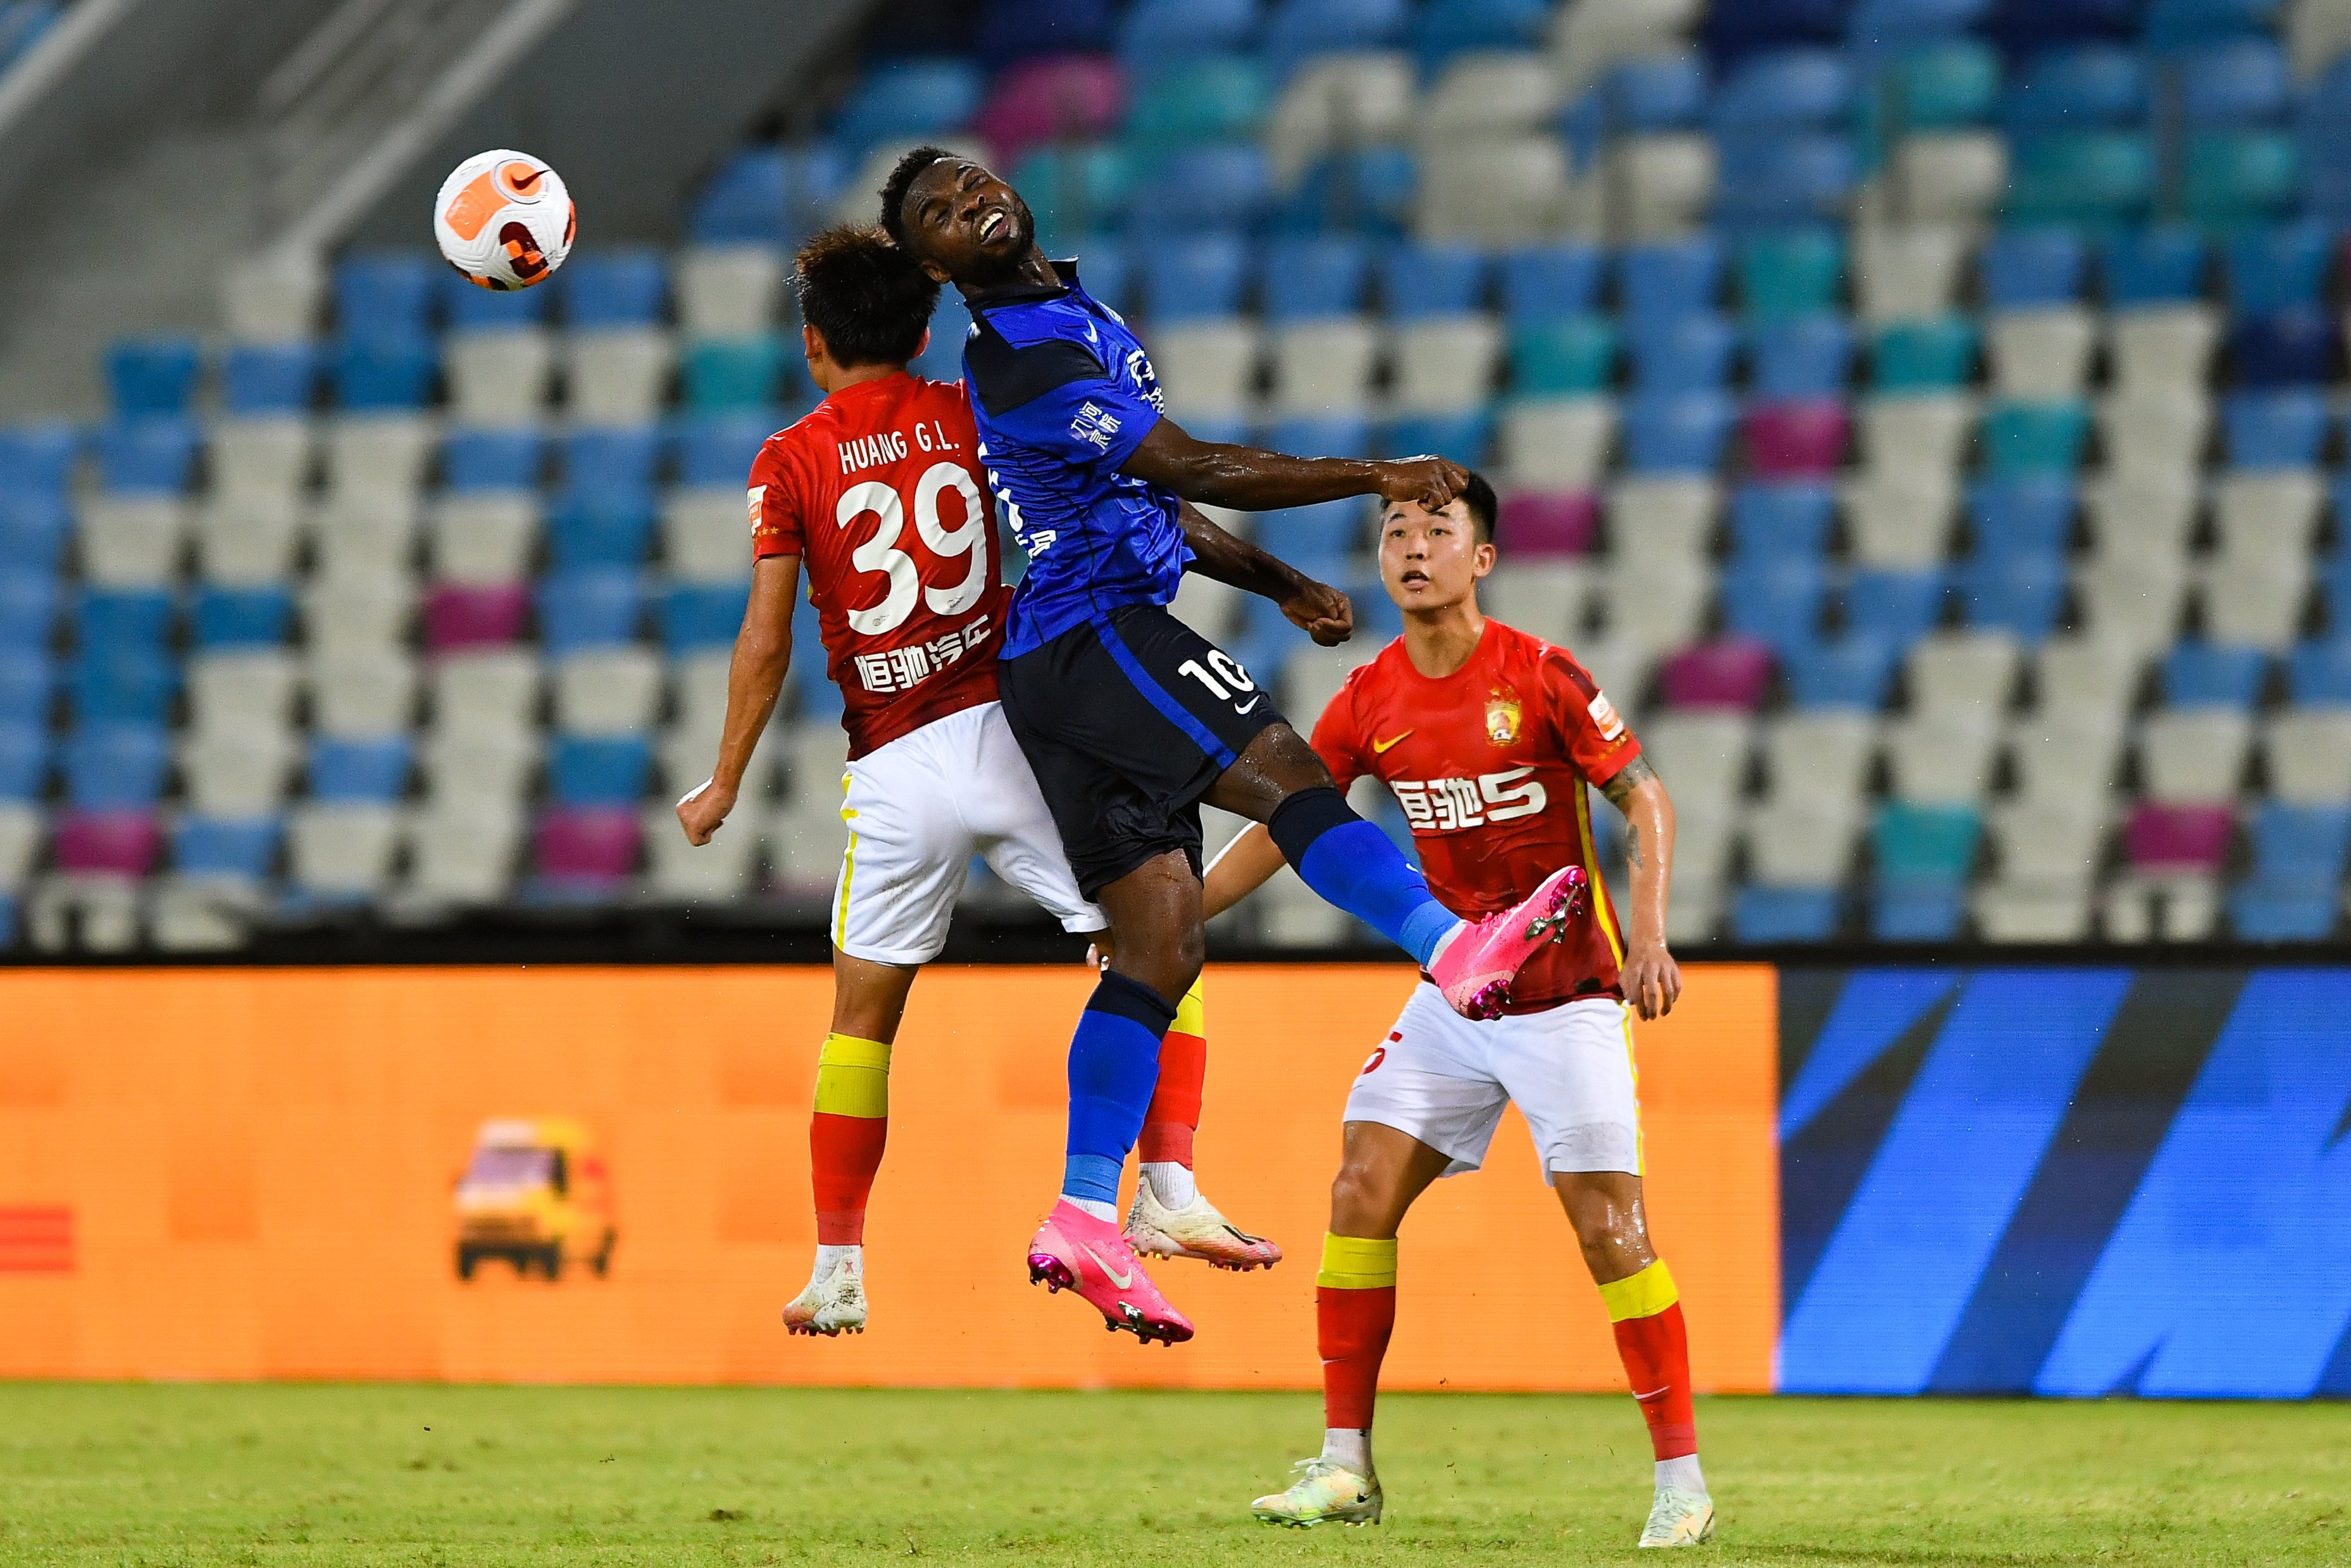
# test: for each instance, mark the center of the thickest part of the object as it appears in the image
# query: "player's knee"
(1361, 1199)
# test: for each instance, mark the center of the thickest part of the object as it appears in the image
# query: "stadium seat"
(120, 619)
(1805, 357)
(1677, 432)
(386, 294)
(2034, 437)
(153, 454)
(1213, 186)
(2025, 514)
(1016, 31)
(1367, 190)
(1776, 601)
(153, 375)
(115, 766)
(2181, 838)
(1668, 280)
(1418, 280)
(1732, 32)
(1917, 847)
(1441, 29)
(361, 697)
(2160, 266)
(2296, 347)
(2274, 429)
(1545, 282)
(1789, 276)
(2232, 177)
(2093, 86)
(1296, 30)
(33, 533)
(610, 770)
(123, 684)
(2309, 756)
(2085, 177)
(1207, 99)
(730, 374)
(1562, 354)
(241, 847)
(1796, 439)
(1323, 275)
(380, 372)
(1690, 353)
(28, 683)
(269, 378)
(1443, 365)
(37, 461)
(476, 460)
(23, 761)
(589, 607)
(1653, 93)
(1773, 521)
(712, 452)
(1895, 608)
(1153, 31)
(2320, 671)
(586, 851)
(2207, 674)
(1776, 181)
(907, 100)
(702, 615)
(1187, 278)
(2277, 268)
(358, 771)
(2026, 269)
(468, 615)
(1855, 671)
(1792, 915)
(1790, 90)
(1931, 355)
(243, 617)
(1729, 673)
(1533, 523)
(106, 841)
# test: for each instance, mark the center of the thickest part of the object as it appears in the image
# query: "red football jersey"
(879, 493)
(1489, 764)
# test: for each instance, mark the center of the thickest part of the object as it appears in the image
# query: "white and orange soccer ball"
(505, 220)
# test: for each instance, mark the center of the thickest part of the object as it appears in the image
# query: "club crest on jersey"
(757, 495)
(1502, 714)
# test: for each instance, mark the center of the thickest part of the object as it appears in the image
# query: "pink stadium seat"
(593, 846)
(1547, 522)
(120, 844)
(1796, 440)
(1731, 672)
(457, 616)
(2179, 838)
(1039, 101)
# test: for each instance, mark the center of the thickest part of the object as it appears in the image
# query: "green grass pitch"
(332, 1475)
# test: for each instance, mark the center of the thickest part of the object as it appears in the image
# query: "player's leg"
(1571, 1073)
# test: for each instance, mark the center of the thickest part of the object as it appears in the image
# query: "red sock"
(846, 1133)
(1655, 1352)
(1354, 1312)
(1175, 1113)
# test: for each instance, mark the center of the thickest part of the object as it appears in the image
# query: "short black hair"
(1483, 507)
(871, 301)
(901, 178)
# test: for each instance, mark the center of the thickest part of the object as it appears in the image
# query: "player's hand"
(1322, 612)
(1653, 982)
(1429, 482)
(703, 809)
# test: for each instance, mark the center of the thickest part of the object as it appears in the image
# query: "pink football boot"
(1475, 967)
(1072, 1250)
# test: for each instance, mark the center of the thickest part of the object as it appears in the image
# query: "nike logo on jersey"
(1121, 1280)
(1250, 703)
(1381, 747)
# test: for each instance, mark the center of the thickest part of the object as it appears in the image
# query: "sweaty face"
(1431, 560)
(964, 222)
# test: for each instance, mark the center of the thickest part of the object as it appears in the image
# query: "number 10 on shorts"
(1235, 680)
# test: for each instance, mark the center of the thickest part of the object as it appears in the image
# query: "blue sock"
(1114, 1068)
(1357, 867)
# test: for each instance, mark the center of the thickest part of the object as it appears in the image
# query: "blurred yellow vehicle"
(536, 1194)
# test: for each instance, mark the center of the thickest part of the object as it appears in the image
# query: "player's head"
(863, 301)
(962, 222)
(1432, 561)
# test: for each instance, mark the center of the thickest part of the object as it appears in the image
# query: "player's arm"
(1240, 868)
(1222, 474)
(1321, 612)
(1653, 982)
(755, 679)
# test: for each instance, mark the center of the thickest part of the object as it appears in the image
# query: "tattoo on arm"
(1629, 778)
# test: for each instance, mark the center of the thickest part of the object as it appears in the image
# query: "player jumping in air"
(1129, 719)
(879, 493)
(1487, 736)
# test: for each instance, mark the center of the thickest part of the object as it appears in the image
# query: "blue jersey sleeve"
(1058, 397)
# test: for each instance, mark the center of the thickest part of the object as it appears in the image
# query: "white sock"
(1349, 1446)
(828, 1259)
(1682, 1475)
(1107, 1212)
(1171, 1182)
(1444, 942)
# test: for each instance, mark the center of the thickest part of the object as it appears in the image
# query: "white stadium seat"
(342, 850)
(729, 291)
(496, 691)
(1587, 38)
(357, 542)
(1310, 677)
(464, 768)
(378, 452)
(21, 832)
(1498, 192)
(2309, 752)
(1663, 517)
(357, 613)
(2043, 353)
(1942, 178)
(363, 692)
(608, 691)
(1702, 755)
(1802, 840)
(2263, 514)
(1550, 599)
(2256, 602)
(487, 537)
(713, 873)
(241, 693)
(617, 375)
(463, 850)
(2165, 347)
(132, 541)
(2154, 438)
(706, 535)
(2134, 600)
(1324, 366)
(1664, 183)
(1828, 751)
(236, 775)
(1900, 273)
(1955, 675)
(1445, 363)
(260, 458)
(1489, 94)
(1207, 368)
(1945, 760)
(2194, 755)
(1339, 100)
(698, 692)
(2070, 757)
(248, 538)
(1900, 521)
(2149, 511)
(1556, 442)
(503, 376)
(1923, 435)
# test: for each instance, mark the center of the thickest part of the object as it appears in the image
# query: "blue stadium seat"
(2274, 429)
(1325, 436)
(122, 617)
(616, 287)
(1667, 279)
(1785, 90)
(587, 529)
(1776, 601)
(2021, 595)
(1319, 275)
(155, 454)
(1788, 518)
(243, 847)
(2026, 26)
(33, 532)
(23, 761)
(1545, 281)
(1194, 101)
(1878, 25)
(1296, 29)
(270, 378)
(115, 766)
(374, 769)
(2263, 911)
(1690, 354)
(1363, 190)
(600, 770)
(590, 607)
(2301, 845)
(1186, 278)
(598, 462)
(2078, 89)
(1222, 186)
(1733, 32)
(28, 606)
(2319, 673)
(383, 373)
(1441, 29)
(1466, 436)
(1808, 357)
(128, 684)
(1777, 181)
(942, 357)
(715, 453)
(243, 617)
(724, 374)
(473, 460)
(908, 101)
(153, 375)
(2243, 83)
(2027, 268)
(470, 308)
(1930, 354)
(1334, 534)
(2034, 437)
(2214, 674)
(2022, 514)
(1791, 915)
(1678, 432)
(2277, 267)
(698, 616)
(2160, 266)
(815, 696)
(37, 459)
(2189, 24)
(1652, 93)
(1790, 275)
(385, 293)
(28, 683)
(746, 203)
(1917, 913)
(1855, 671)
(1418, 280)
(1154, 32)
(1014, 30)
(1895, 608)
(2294, 347)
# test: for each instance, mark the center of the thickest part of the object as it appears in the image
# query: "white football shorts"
(918, 809)
(1444, 1080)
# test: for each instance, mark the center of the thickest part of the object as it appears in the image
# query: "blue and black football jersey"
(1063, 392)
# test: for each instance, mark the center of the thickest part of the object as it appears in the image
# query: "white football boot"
(1194, 1230)
(833, 1303)
(1679, 1519)
(1325, 1492)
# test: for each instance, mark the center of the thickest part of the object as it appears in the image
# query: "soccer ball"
(503, 220)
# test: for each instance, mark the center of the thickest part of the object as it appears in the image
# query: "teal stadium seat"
(1565, 354)
(2021, 437)
(1073, 191)
(2230, 179)
(2089, 179)
(724, 374)
(1933, 355)
(1786, 275)
(1216, 97)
